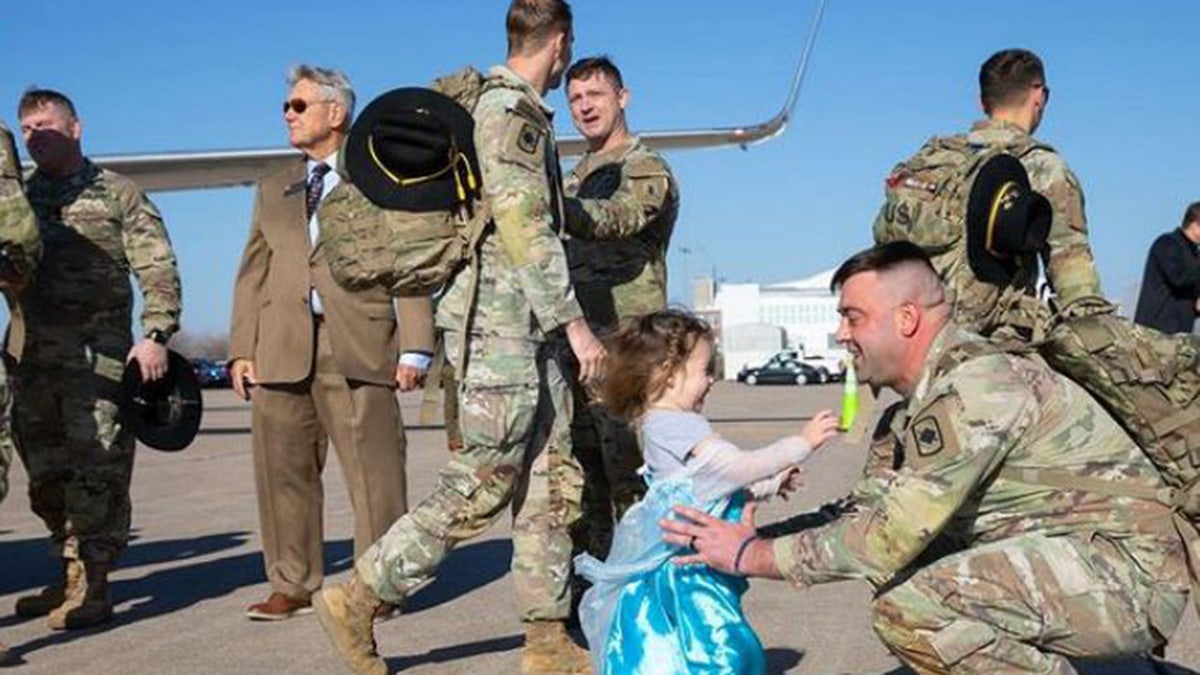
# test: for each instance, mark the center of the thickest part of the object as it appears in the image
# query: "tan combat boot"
(347, 613)
(549, 650)
(50, 597)
(87, 603)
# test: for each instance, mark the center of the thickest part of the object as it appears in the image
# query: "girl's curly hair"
(643, 354)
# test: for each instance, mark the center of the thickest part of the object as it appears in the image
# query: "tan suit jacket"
(272, 320)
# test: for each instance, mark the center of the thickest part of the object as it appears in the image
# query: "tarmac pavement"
(194, 566)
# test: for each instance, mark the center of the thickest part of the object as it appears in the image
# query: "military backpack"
(928, 202)
(926, 194)
(406, 252)
(1150, 383)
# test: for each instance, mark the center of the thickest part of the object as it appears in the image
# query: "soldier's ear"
(76, 129)
(623, 97)
(908, 319)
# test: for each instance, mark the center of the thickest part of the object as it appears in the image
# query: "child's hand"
(820, 429)
(793, 481)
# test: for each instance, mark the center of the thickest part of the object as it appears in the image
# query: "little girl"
(644, 614)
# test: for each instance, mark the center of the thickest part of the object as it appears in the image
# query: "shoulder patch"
(529, 138)
(927, 436)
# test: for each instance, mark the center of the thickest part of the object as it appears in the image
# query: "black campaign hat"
(414, 149)
(1007, 222)
(163, 414)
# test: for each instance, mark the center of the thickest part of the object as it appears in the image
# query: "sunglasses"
(299, 105)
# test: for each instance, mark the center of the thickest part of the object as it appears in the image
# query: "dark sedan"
(782, 372)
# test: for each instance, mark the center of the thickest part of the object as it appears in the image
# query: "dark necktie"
(316, 185)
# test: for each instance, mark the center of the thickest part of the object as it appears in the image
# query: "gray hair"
(334, 84)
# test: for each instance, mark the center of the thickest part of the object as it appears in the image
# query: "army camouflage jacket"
(96, 227)
(524, 289)
(933, 479)
(621, 208)
(1071, 268)
(20, 245)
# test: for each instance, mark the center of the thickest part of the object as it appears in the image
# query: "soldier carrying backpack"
(977, 204)
(926, 200)
(507, 301)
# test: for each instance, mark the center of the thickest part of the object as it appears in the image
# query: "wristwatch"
(158, 336)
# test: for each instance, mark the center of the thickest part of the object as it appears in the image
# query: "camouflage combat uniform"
(1071, 268)
(621, 210)
(515, 402)
(979, 569)
(20, 248)
(96, 228)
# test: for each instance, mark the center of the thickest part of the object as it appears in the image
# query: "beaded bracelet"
(737, 561)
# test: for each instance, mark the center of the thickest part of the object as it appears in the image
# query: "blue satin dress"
(646, 616)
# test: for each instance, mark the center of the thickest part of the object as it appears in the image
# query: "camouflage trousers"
(8, 446)
(515, 420)
(1026, 604)
(450, 415)
(79, 459)
(607, 449)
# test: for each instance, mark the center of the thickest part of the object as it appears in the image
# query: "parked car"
(782, 371)
(211, 373)
(831, 368)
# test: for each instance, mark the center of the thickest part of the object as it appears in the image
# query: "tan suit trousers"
(291, 429)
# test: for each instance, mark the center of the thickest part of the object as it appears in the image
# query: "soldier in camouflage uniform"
(1014, 94)
(96, 227)
(515, 402)
(20, 249)
(981, 564)
(621, 206)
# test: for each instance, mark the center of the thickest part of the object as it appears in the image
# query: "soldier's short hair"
(1192, 214)
(881, 258)
(1007, 76)
(585, 68)
(531, 22)
(334, 84)
(35, 98)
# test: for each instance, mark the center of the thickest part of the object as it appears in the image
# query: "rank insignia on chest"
(528, 139)
(928, 436)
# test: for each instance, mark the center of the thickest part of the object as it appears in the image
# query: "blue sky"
(154, 76)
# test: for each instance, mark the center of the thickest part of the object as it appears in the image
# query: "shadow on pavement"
(172, 589)
(781, 660)
(28, 563)
(456, 652)
(465, 569)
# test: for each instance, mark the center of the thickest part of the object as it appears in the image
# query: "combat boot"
(549, 650)
(347, 613)
(50, 597)
(87, 603)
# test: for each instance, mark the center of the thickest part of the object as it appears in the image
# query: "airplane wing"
(169, 171)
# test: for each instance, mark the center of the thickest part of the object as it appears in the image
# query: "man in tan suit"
(317, 362)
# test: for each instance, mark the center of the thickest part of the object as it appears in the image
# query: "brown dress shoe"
(278, 607)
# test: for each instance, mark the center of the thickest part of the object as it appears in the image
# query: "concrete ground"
(194, 566)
